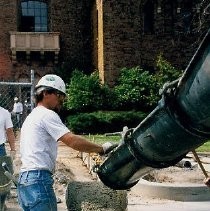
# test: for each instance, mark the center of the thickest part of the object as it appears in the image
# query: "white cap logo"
(50, 78)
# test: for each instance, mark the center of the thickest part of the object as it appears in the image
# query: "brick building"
(103, 35)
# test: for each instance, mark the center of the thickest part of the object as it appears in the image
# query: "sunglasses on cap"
(56, 92)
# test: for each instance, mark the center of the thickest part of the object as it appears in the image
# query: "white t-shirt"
(38, 140)
(5, 123)
(18, 107)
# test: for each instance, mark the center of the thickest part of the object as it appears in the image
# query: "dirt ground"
(71, 168)
(177, 175)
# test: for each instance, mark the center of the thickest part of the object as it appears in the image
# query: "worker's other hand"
(12, 154)
(207, 181)
(108, 147)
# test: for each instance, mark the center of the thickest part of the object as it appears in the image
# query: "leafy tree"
(86, 93)
(135, 89)
(166, 72)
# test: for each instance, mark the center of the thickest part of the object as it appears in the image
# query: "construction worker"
(18, 111)
(40, 134)
(6, 135)
(6, 132)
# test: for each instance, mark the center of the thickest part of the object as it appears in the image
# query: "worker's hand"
(108, 147)
(12, 154)
(207, 181)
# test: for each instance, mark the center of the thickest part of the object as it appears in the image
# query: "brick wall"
(121, 41)
(72, 19)
(126, 45)
(7, 23)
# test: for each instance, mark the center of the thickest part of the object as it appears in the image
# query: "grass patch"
(100, 139)
(204, 148)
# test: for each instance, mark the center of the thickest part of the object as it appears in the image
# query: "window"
(184, 17)
(148, 17)
(187, 19)
(34, 16)
(168, 16)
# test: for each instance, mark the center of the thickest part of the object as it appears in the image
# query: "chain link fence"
(24, 92)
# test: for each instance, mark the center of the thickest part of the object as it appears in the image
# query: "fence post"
(32, 89)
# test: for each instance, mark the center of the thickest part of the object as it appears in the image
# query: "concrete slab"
(170, 206)
(178, 192)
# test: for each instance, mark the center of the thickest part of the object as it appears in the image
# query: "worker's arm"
(11, 138)
(79, 143)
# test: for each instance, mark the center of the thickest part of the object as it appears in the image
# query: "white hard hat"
(16, 98)
(52, 81)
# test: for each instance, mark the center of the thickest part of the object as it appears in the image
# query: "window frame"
(33, 16)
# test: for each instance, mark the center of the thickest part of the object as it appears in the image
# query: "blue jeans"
(19, 120)
(2, 150)
(35, 191)
(3, 196)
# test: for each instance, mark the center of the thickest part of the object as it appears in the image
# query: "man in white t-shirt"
(18, 111)
(6, 135)
(40, 133)
(6, 132)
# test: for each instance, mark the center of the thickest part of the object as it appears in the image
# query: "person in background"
(6, 132)
(27, 106)
(40, 133)
(6, 135)
(18, 111)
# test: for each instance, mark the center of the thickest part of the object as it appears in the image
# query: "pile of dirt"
(176, 174)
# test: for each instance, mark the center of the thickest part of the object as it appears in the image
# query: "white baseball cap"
(52, 81)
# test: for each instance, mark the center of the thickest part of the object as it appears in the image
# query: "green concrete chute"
(179, 124)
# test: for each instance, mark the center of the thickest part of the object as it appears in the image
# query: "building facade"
(103, 35)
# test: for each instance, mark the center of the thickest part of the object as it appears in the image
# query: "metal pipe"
(32, 90)
(199, 163)
(8, 173)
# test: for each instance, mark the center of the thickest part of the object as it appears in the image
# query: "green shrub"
(166, 72)
(86, 93)
(103, 122)
(136, 89)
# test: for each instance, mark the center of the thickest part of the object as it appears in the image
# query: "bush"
(86, 93)
(103, 122)
(136, 89)
(166, 72)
